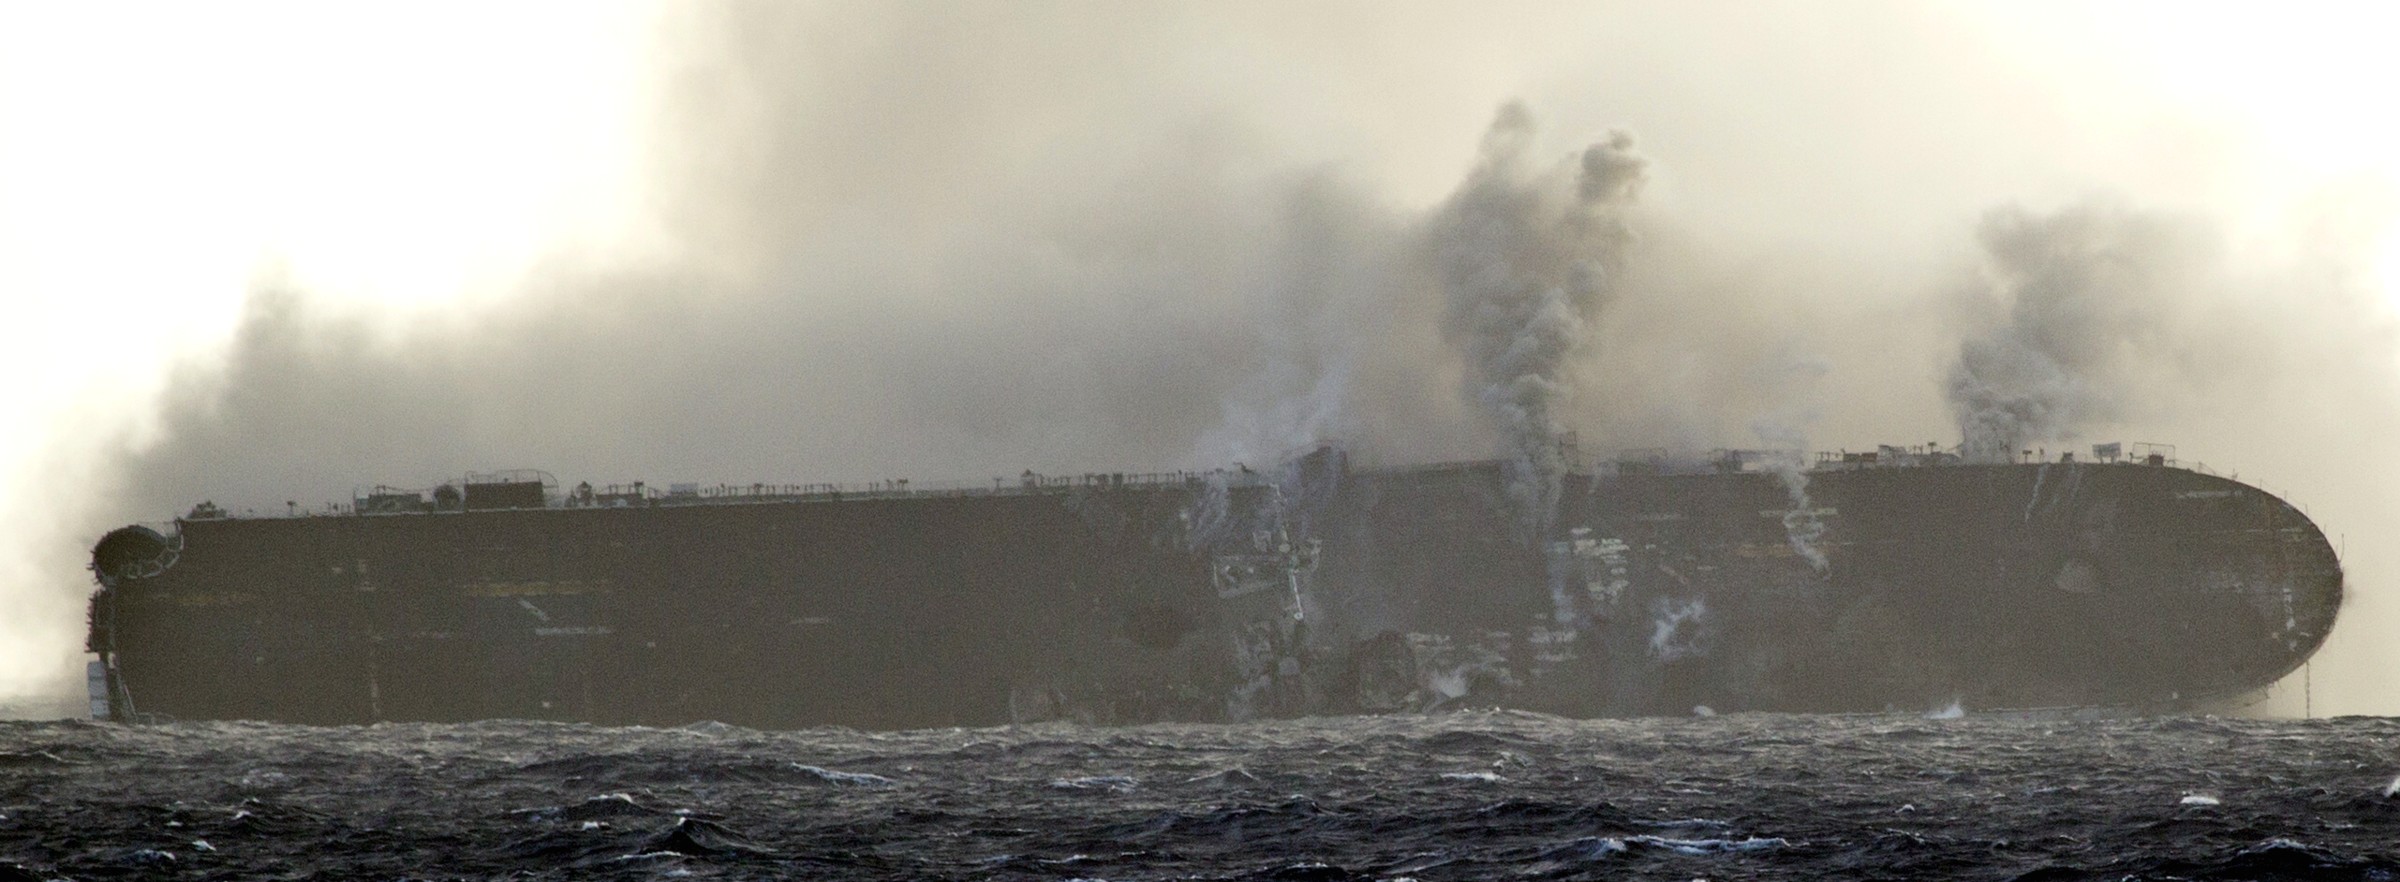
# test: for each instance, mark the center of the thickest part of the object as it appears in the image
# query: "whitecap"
(1709, 846)
(1589, 848)
(1116, 783)
(1687, 824)
(1477, 777)
(851, 779)
(1236, 775)
(2199, 799)
(649, 857)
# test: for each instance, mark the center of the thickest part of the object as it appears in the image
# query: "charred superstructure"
(1892, 580)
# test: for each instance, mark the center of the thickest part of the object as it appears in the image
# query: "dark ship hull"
(1314, 589)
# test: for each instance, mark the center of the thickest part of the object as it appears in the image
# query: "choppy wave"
(1459, 796)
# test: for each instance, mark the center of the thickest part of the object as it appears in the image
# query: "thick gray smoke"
(858, 302)
(2079, 310)
(1525, 265)
(951, 240)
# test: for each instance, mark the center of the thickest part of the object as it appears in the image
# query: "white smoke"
(1787, 460)
(1525, 267)
(2077, 305)
(1342, 338)
(1678, 628)
(1208, 519)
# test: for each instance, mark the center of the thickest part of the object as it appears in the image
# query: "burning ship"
(1899, 579)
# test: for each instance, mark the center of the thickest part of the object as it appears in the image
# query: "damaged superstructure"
(1899, 579)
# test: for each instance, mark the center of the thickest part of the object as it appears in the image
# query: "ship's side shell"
(1841, 590)
(1399, 590)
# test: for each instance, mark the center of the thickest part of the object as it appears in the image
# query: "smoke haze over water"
(957, 241)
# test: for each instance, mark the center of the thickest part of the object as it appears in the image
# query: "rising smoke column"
(1525, 264)
(2078, 304)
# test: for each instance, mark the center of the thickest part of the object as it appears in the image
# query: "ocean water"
(1475, 795)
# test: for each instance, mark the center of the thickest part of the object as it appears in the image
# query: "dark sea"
(1474, 795)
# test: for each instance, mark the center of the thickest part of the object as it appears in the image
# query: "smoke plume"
(1525, 268)
(2080, 307)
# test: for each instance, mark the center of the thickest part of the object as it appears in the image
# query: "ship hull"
(1314, 590)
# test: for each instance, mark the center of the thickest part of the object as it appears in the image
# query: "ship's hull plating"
(1322, 591)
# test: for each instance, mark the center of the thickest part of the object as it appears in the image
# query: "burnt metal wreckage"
(1900, 579)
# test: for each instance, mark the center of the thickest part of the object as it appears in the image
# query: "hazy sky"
(258, 253)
